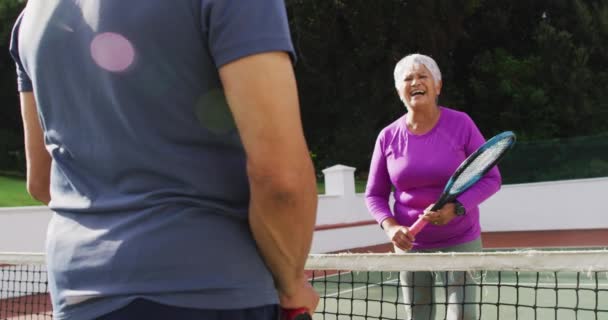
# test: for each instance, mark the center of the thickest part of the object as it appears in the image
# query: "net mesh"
(498, 285)
(23, 287)
(489, 285)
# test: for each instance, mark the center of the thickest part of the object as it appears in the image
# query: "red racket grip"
(417, 226)
(296, 314)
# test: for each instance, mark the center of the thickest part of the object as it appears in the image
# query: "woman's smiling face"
(420, 88)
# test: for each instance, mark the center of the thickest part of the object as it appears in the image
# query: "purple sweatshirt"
(418, 167)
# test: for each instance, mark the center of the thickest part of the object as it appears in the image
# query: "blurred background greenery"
(535, 67)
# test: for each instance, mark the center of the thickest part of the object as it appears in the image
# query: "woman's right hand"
(399, 235)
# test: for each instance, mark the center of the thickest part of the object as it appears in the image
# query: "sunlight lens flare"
(112, 52)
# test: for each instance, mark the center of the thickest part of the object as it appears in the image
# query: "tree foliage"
(347, 51)
(536, 67)
(11, 138)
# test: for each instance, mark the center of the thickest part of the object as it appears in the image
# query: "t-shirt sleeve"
(24, 83)
(237, 28)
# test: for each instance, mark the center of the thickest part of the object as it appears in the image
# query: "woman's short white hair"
(413, 59)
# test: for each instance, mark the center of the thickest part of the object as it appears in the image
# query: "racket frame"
(448, 196)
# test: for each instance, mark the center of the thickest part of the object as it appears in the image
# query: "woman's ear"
(438, 87)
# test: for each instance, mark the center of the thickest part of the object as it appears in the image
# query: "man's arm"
(37, 158)
(262, 95)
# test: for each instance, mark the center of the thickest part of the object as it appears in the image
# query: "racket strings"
(480, 165)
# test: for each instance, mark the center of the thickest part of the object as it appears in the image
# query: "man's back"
(138, 92)
(148, 177)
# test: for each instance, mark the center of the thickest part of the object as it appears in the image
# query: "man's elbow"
(283, 181)
(39, 191)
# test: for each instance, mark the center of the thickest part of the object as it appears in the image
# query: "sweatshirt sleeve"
(378, 189)
(486, 186)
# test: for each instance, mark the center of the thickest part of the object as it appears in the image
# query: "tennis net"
(528, 284)
(23, 287)
(489, 285)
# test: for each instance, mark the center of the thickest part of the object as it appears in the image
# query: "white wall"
(559, 205)
(556, 205)
(23, 229)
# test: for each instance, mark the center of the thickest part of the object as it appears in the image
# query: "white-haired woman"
(416, 155)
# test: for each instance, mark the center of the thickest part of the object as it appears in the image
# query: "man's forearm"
(37, 158)
(282, 218)
(262, 94)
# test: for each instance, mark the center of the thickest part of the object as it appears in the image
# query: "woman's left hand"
(440, 217)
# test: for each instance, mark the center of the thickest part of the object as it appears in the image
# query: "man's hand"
(303, 297)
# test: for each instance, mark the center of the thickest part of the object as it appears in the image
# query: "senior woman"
(416, 155)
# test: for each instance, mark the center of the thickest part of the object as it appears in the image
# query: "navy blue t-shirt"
(148, 177)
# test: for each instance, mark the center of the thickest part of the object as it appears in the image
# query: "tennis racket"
(296, 314)
(473, 168)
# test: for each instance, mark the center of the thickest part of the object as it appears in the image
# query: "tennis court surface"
(529, 284)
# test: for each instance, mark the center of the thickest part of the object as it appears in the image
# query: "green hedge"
(556, 159)
(12, 157)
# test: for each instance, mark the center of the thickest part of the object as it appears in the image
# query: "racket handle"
(421, 223)
(296, 314)
(417, 226)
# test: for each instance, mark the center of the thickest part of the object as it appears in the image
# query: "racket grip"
(296, 314)
(418, 225)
